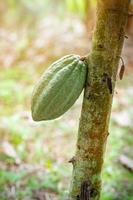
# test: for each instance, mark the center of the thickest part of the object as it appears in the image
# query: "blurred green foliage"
(80, 7)
(29, 11)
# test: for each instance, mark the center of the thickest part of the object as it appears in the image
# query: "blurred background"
(34, 156)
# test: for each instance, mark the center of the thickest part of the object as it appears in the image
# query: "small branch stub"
(121, 73)
(126, 36)
(122, 69)
(130, 14)
(72, 160)
(84, 58)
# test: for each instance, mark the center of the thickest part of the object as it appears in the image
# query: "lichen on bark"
(103, 61)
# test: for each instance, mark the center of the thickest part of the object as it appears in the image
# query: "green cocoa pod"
(58, 88)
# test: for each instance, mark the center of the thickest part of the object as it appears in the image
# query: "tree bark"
(103, 62)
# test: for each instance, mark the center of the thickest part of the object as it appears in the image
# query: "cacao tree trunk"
(102, 70)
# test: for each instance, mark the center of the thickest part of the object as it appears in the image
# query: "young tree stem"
(103, 62)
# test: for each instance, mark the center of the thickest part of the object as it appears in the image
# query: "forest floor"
(34, 156)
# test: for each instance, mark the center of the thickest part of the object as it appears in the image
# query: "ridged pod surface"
(58, 88)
